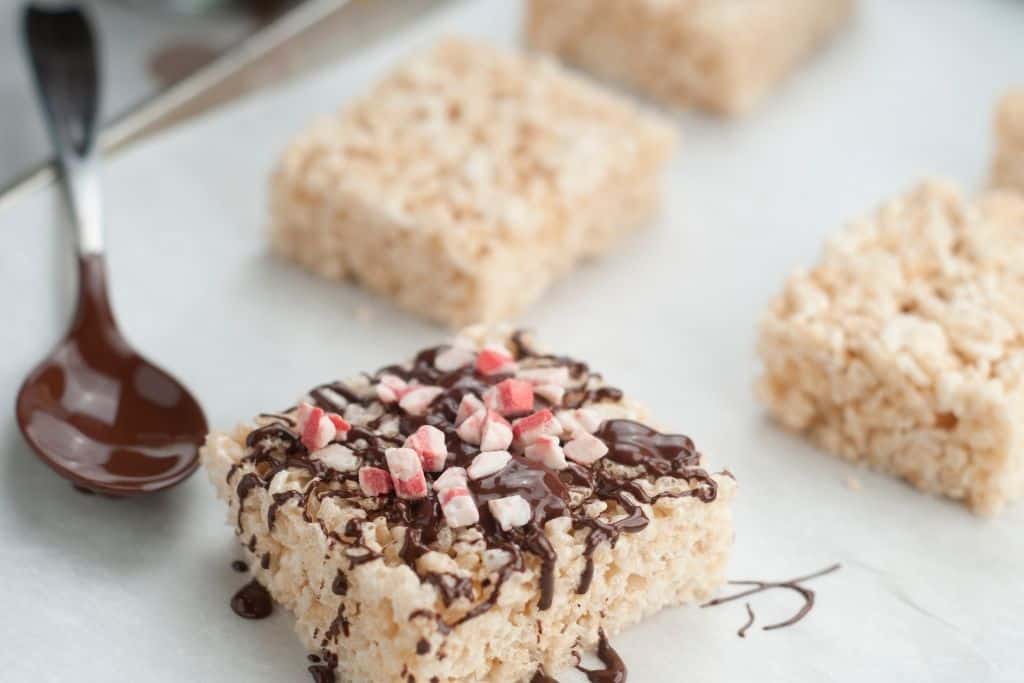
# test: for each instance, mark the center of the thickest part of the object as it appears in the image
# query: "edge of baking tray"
(126, 127)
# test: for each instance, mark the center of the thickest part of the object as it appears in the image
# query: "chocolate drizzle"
(637, 456)
(323, 671)
(614, 670)
(540, 676)
(760, 586)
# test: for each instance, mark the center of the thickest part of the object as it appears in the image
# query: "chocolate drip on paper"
(540, 676)
(614, 670)
(252, 601)
(760, 586)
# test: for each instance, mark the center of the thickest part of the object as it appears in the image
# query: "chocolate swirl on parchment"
(635, 453)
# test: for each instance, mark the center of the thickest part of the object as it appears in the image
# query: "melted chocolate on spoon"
(101, 414)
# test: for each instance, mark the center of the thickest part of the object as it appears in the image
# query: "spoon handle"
(61, 47)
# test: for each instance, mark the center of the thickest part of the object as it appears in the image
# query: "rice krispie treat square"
(721, 55)
(903, 348)
(479, 513)
(467, 181)
(1008, 164)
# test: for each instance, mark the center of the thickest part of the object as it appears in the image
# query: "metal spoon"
(96, 411)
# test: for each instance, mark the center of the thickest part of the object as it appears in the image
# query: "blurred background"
(165, 61)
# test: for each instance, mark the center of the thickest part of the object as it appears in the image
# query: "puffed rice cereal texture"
(467, 181)
(903, 348)
(720, 55)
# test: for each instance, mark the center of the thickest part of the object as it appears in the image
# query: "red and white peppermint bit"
(510, 397)
(453, 358)
(373, 481)
(390, 388)
(471, 429)
(496, 434)
(557, 375)
(460, 511)
(453, 476)
(528, 429)
(586, 449)
(579, 421)
(494, 360)
(467, 406)
(417, 399)
(337, 457)
(510, 512)
(487, 463)
(302, 413)
(451, 492)
(341, 425)
(552, 393)
(317, 430)
(547, 451)
(428, 442)
(406, 473)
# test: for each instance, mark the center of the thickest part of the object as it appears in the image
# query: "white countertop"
(101, 590)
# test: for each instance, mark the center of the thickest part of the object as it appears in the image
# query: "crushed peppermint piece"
(487, 463)
(586, 449)
(510, 512)
(467, 406)
(374, 481)
(460, 510)
(494, 361)
(428, 442)
(547, 451)
(510, 397)
(558, 375)
(526, 430)
(317, 429)
(390, 388)
(496, 433)
(453, 358)
(579, 421)
(453, 476)
(406, 473)
(471, 429)
(418, 399)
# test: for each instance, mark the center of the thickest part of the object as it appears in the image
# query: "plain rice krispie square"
(722, 55)
(904, 346)
(395, 591)
(1008, 163)
(467, 181)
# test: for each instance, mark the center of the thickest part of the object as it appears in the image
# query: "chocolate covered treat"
(480, 513)
(466, 182)
(720, 55)
(1008, 164)
(903, 348)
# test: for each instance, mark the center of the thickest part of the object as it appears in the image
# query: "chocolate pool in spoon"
(95, 410)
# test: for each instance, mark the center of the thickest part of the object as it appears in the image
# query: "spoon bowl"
(95, 410)
(102, 415)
